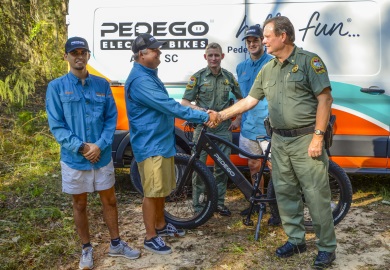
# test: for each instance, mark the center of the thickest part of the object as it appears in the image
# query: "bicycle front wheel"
(179, 206)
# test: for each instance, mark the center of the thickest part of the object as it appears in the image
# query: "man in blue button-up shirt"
(82, 117)
(252, 122)
(151, 113)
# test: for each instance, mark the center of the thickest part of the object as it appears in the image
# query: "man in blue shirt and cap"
(82, 117)
(151, 113)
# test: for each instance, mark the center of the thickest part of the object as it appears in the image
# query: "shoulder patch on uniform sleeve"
(191, 83)
(317, 65)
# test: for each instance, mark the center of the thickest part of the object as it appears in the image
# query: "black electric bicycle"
(179, 209)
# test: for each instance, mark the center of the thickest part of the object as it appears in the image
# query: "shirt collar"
(146, 69)
(257, 61)
(208, 72)
(74, 79)
(291, 58)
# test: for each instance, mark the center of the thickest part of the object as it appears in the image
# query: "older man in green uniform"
(297, 87)
(209, 88)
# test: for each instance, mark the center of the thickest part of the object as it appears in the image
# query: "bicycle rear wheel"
(341, 195)
(179, 209)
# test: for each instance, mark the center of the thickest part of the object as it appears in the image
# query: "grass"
(36, 219)
(377, 185)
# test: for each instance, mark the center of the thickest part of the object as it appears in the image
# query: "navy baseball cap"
(146, 41)
(253, 31)
(76, 43)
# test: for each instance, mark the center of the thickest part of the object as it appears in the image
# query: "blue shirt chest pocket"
(99, 104)
(244, 82)
(71, 105)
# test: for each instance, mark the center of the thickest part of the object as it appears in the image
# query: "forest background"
(36, 220)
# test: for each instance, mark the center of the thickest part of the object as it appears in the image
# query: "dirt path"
(224, 243)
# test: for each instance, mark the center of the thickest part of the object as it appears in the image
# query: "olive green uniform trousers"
(294, 172)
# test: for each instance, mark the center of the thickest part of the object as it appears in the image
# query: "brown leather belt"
(294, 132)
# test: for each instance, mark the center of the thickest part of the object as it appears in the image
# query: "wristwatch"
(81, 148)
(318, 132)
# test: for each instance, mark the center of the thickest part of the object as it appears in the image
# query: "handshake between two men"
(214, 119)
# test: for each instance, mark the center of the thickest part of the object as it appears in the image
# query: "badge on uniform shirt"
(226, 82)
(317, 65)
(191, 83)
(295, 68)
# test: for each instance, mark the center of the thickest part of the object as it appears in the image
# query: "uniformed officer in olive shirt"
(297, 87)
(209, 88)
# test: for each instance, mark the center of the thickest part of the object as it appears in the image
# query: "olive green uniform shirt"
(291, 88)
(212, 92)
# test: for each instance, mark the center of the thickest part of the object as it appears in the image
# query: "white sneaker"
(86, 260)
(123, 250)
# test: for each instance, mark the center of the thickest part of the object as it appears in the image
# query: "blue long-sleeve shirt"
(78, 114)
(252, 121)
(151, 113)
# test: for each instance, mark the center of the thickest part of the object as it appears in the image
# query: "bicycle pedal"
(247, 222)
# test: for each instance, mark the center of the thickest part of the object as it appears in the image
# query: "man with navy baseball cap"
(82, 117)
(253, 31)
(76, 43)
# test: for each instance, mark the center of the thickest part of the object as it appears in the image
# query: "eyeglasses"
(77, 53)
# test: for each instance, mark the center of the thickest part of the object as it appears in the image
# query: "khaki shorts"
(157, 176)
(78, 181)
(253, 147)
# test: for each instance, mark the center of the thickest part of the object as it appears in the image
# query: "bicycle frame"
(206, 142)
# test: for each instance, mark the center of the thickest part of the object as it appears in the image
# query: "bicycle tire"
(135, 178)
(341, 195)
(178, 205)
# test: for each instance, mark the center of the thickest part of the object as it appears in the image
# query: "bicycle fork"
(257, 196)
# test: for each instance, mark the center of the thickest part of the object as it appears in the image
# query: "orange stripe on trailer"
(361, 162)
(349, 124)
(179, 123)
(119, 96)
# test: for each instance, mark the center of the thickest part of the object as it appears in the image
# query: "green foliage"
(28, 123)
(18, 85)
(31, 46)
